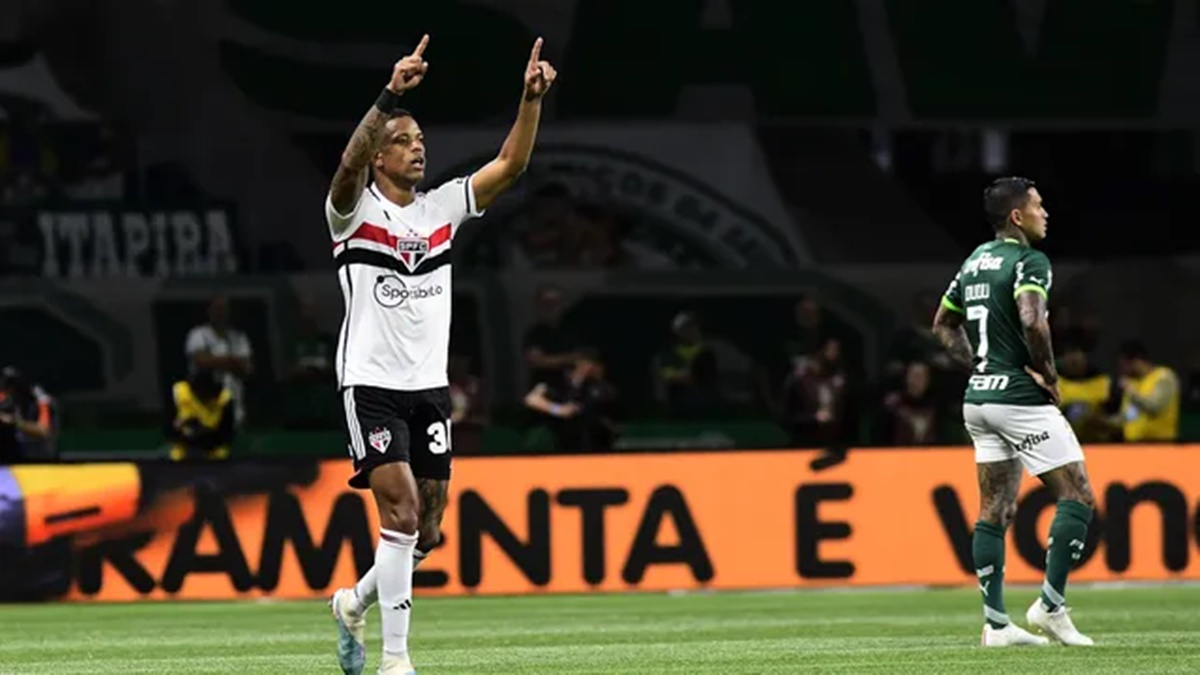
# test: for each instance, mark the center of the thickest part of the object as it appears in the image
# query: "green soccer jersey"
(985, 291)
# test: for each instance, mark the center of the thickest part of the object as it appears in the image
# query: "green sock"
(987, 547)
(1068, 536)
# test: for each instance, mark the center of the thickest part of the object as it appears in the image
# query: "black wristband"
(388, 101)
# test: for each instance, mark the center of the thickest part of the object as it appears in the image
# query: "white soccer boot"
(1011, 635)
(1056, 624)
(396, 665)
(351, 647)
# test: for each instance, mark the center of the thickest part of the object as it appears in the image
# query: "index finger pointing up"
(536, 54)
(421, 46)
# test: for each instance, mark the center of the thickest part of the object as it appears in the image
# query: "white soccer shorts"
(1038, 435)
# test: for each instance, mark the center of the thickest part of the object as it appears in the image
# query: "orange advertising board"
(717, 520)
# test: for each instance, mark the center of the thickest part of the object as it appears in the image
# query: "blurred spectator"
(544, 233)
(735, 371)
(1085, 391)
(468, 411)
(200, 421)
(549, 348)
(1150, 396)
(466, 394)
(686, 373)
(225, 350)
(1071, 327)
(597, 243)
(913, 414)
(914, 341)
(25, 189)
(102, 176)
(576, 406)
(313, 350)
(815, 397)
(307, 401)
(809, 330)
(28, 420)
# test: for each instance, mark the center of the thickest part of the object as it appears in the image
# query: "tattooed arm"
(1032, 309)
(352, 172)
(1031, 306)
(948, 328)
(351, 175)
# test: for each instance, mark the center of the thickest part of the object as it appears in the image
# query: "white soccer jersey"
(393, 265)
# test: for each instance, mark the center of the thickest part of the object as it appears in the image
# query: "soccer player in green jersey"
(993, 320)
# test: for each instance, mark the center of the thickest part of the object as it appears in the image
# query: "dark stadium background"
(800, 180)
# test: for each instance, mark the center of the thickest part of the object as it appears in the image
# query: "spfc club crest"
(412, 251)
(380, 439)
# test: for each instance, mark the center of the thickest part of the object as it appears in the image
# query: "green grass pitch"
(1137, 630)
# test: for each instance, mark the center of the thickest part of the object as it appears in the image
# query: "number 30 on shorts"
(439, 437)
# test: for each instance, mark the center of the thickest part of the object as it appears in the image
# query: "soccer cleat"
(1056, 624)
(396, 665)
(351, 649)
(1011, 636)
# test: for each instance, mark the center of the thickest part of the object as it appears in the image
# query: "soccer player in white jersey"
(392, 248)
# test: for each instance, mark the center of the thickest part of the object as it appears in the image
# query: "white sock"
(366, 591)
(394, 562)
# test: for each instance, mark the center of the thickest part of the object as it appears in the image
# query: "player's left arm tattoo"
(1031, 306)
(948, 329)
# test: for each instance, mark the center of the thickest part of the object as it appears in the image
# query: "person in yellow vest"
(1085, 391)
(1150, 397)
(201, 422)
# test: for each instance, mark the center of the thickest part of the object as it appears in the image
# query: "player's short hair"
(1134, 351)
(1004, 195)
(393, 115)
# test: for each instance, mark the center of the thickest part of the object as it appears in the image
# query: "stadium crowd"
(582, 387)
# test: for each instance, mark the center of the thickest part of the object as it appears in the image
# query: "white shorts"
(1038, 435)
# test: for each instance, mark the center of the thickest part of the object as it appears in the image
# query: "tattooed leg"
(434, 495)
(998, 485)
(429, 535)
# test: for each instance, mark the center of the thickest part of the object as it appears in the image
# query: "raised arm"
(351, 176)
(498, 175)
